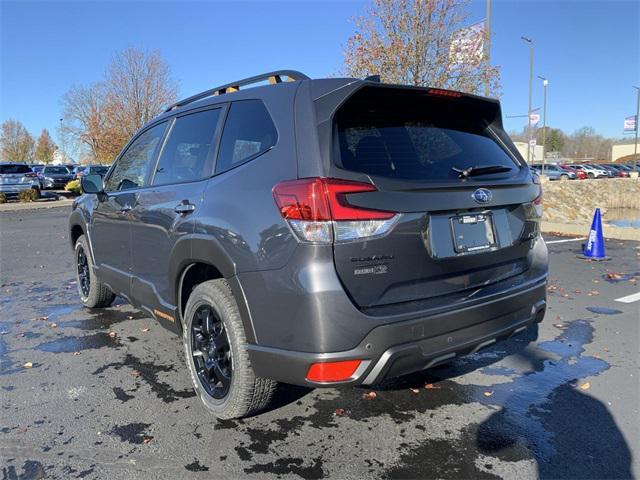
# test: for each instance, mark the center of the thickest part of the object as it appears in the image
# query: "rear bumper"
(14, 189)
(405, 347)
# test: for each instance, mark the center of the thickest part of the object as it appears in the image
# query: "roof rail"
(272, 77)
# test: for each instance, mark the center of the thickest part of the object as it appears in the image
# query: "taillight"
(318, 210)
(444, 93)
(536, 181)
(31, 175)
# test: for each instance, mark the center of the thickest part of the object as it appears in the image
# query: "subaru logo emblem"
(482, 195)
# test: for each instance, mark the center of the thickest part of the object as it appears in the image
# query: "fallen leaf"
(415, 390)
(129, 317)
(488, 393)
(340, 412)
(53, 325)
(112, 334)
(135, 373)
(605, 349)
(28, 365)
(585, 386)
(577, 290)
(614, 276)
(369, 396)
(429, 386)
(145, 329)
(76, 353)
(146, 439)
(559, 325)
(22, 429)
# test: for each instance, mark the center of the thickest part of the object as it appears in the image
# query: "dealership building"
(624, 149)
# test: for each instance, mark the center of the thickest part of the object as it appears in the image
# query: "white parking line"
(565, 241)
(634, 297)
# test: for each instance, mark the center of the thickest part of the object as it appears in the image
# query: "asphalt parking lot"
(107, 394)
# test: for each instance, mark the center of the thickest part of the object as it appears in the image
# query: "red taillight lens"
(323, 199)
(317, 210)
(333, 371)
(302, 200)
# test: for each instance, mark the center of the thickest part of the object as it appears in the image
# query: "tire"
(37, 191)
(241, 393)
(564, 178)
(97, 295)
(591, 175)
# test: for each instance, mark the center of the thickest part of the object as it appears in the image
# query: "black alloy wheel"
(84, 278)
(211, 352)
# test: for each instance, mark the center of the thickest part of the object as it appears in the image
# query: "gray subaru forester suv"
(317, 232)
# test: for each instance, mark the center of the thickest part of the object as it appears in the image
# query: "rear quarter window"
(248, 132)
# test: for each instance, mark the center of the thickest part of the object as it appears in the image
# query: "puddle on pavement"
(604, 310)
(614, 277)
(131, 433)
(76, 344)
(103, 319)
(516, 431)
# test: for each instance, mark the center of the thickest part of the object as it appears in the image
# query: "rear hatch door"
(464, 197)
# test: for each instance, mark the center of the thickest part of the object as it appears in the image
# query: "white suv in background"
(591, 170)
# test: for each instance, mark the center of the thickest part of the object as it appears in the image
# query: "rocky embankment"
(569, 205)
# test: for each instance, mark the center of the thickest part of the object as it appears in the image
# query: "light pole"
(635, 145)
(530, 42)
(487, 48)
(545, 83)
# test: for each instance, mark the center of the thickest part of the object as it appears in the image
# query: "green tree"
(45, 147)
(555, 139)
(16, 143)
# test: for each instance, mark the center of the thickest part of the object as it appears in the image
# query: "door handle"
(185, 207)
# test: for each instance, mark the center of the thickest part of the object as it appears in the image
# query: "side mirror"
(92, 184)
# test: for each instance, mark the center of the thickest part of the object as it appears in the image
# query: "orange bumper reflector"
(332, 371)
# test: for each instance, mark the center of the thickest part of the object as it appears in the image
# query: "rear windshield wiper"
(480, 170)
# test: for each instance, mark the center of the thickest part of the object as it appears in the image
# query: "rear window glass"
(9, 169)
(413, 136)
(248, 132)
(99, 170)
(56, 170)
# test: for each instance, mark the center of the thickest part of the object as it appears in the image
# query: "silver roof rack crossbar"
(271, 77)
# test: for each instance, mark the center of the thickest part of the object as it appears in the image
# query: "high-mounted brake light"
(318, 210)
(444, 93)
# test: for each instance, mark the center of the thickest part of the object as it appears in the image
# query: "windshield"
(414, 137)
(9, 169)
(56, 170)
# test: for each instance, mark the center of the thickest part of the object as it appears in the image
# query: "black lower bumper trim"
(401, 348)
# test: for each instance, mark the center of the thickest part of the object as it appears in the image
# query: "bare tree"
(16, 143)
(138, 87)
(420, 42)
(85, 122)
(104, 116)
(45, 147)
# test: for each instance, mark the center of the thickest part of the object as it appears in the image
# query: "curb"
(582, 230)
(19, 207)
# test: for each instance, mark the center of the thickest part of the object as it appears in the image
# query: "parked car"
(591, 170)
(55, 176)
(616, 170)
(77, 171)
(554, 172)
(16, 177)
(580, 174)
(92, 170)
(317, 232)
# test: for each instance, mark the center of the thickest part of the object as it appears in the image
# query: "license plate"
(473, 233)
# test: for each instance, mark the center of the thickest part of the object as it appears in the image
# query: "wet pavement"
(107, 394)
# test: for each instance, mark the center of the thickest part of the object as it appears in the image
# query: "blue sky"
(588, 50)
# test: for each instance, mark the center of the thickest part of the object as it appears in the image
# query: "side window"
(187, 154)
(248, 132)
(132, 167)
